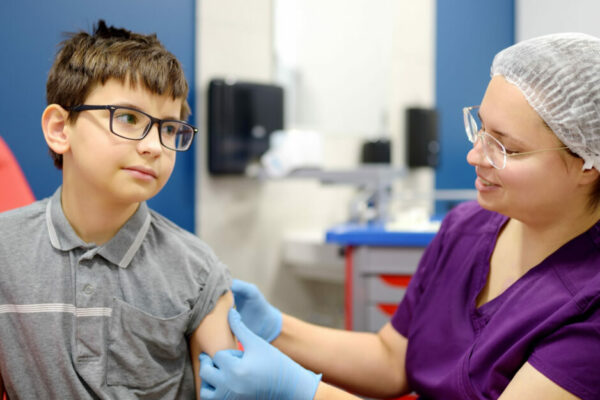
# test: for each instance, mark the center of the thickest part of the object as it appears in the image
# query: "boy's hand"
(260, 372)
(257, 313)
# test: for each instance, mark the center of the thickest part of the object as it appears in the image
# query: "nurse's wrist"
(292, 338)
(286, 332)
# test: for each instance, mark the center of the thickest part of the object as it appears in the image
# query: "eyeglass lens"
(132, 124)
(494, 150)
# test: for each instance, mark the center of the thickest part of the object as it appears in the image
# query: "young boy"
(100, 297)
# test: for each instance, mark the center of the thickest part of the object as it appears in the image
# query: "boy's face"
(112, 169)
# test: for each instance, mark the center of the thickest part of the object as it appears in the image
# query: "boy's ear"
(54, 123)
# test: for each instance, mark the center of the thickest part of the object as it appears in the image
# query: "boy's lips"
(142, 170)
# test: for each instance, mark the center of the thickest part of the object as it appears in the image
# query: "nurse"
(506, 300)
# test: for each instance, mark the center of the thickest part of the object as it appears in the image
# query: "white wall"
(339, 53)
(353, 66)
(243, 219)
(535, 18)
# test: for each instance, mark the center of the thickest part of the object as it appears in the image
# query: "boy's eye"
(127, 118)
(169, 129)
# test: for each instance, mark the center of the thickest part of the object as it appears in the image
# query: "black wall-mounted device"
(376, 152)
(241, 117)
(422, 144)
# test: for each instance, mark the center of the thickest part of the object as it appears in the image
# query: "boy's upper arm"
(213, 333)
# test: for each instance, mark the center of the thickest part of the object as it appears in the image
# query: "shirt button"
(88, 289)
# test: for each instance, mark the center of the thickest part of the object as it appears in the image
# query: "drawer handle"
(388, 309)
(396, 280)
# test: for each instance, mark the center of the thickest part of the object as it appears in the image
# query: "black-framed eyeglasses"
(133, 124)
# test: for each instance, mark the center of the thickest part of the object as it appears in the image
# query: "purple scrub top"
(550, 317)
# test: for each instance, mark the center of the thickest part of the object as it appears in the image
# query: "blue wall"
(469, 34)
(30, 31)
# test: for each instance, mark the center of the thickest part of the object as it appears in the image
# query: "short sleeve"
(570, 357)
(404, 313)
(216, 284)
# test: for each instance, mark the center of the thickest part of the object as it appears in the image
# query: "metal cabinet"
(379, 265)
(379, 278)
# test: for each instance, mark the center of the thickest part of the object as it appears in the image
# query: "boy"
(101, 297)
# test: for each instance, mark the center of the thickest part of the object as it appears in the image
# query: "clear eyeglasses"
(494, 151)
(133, 124)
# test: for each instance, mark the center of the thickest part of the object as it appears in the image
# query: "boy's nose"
(151, 142)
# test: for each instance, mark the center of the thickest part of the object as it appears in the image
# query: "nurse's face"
(531, 188)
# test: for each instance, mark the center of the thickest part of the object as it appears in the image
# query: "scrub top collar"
(119, 250)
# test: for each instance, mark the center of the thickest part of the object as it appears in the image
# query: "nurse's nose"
(476, 156)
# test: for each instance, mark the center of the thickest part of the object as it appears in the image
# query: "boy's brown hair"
(84, 61)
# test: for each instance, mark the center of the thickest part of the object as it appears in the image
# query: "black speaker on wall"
(422, 144)
(241, 118)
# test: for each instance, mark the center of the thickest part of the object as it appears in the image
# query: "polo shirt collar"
(119, 250)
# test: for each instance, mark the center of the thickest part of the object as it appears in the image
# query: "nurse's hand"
(260, 372)
(257, 313)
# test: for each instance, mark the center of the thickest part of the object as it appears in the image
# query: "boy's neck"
(94, 221)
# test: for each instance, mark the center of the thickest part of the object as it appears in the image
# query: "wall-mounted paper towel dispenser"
(241, 117)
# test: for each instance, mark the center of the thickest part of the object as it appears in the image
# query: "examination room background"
(448, 44)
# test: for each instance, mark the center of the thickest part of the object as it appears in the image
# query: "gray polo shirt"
(81, 321)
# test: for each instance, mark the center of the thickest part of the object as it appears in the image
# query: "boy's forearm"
(337, 353)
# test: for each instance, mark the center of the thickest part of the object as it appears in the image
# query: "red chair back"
(14, 189)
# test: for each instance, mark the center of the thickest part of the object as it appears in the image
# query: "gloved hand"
(260, 372)
(257, 313)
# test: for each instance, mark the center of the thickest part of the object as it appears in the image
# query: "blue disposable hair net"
(559, 75)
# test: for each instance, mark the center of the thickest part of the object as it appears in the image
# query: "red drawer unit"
(376, 280)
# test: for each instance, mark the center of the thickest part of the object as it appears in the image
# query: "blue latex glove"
(260, 372)
(257, 313)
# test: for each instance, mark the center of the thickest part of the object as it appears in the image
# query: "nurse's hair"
(86, 60)
(559, 75)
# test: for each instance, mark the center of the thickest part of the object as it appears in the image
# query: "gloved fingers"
(205, 359)
(242, 290)
(207, 392)
(246, 337)
(275, 329)
(239, 285)
(209, 373)
(224, 359)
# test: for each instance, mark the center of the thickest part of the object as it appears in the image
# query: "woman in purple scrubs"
(506, 300)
